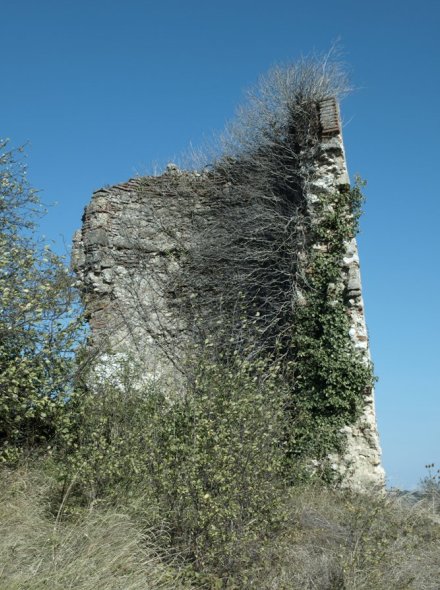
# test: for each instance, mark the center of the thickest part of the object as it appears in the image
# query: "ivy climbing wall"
(362, 460)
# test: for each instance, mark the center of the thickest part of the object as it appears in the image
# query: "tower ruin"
(128, 248)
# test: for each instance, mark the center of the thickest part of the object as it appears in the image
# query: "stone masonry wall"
(362, 463)
(125, 252)
(123, 256)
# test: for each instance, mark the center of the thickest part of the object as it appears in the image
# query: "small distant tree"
(430, 487)
(40, 324)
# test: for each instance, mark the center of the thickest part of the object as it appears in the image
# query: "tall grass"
(332, 540)
(99, 550)
(339, 540)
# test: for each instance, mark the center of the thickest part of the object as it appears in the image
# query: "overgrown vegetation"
(99, 550)
(328, 377)
(331, 540)
(38, 327)
(208, 464)
(207, 484)
(260, 275)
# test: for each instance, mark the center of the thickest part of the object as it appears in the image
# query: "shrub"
(39, 328)
(329, 540)
(207, 462)
(429, 488)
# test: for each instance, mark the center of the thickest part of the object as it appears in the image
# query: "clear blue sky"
(103, 89)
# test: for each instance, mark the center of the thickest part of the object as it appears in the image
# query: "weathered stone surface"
(362, 462)
(131, 240)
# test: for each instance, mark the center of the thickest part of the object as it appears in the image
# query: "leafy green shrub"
(329, 540)
(39, 328)
(207, 462)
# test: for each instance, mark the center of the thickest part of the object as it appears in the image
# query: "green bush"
(39, 327)
(207, 461)
(429, 489)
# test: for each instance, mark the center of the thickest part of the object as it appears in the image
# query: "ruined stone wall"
(363, 453)
(130, 243)
(124, 254)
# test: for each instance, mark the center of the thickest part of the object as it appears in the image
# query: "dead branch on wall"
(242, 263)
(233, 237)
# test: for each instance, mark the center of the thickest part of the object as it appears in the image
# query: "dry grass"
(102, 550)
(333, 540)
(343, 541)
